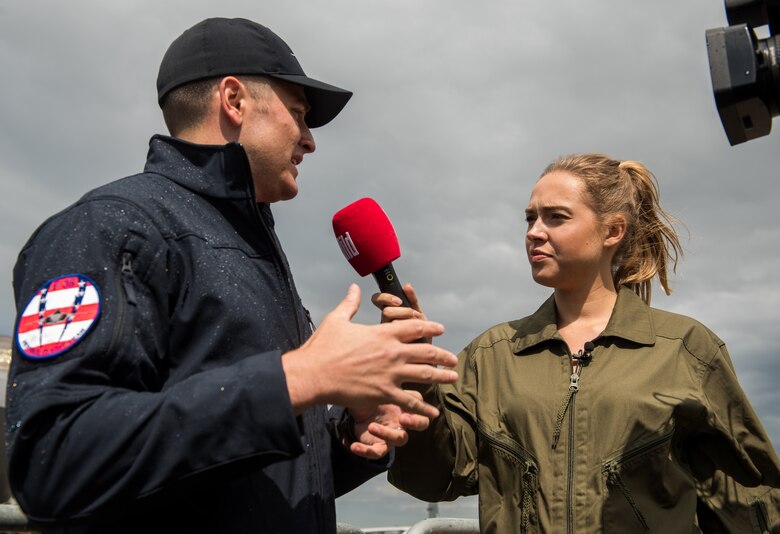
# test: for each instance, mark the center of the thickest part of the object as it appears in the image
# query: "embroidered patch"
(58, 316)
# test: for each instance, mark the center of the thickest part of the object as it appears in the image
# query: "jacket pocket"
(516, 468)
(646, 490)
(125, 302)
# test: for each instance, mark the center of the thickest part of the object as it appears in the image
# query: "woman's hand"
(391, 309)
(383, 428)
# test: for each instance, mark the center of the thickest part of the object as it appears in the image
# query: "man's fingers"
(428, 374)
(415, 405)
(398, 313)
(414, 329)
(348, 307)
(417, 353)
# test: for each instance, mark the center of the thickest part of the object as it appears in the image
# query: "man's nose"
(307, 140)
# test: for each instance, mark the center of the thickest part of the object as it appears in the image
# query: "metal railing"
(439, 525)
(445, 525)
(13, 520)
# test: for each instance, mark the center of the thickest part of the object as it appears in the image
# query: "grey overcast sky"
(458, 106)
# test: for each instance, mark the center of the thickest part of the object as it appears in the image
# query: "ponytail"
(651, 244)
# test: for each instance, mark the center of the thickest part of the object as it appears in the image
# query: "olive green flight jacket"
(656, 427)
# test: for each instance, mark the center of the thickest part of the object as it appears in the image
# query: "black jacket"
(171, 413)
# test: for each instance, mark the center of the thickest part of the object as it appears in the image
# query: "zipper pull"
(127, 277)
(574, 380)
(614, 479)
(529, 483)
(578, 361)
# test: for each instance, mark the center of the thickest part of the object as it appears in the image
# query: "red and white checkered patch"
(58, 316)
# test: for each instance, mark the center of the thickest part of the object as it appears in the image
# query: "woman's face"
(564, 240)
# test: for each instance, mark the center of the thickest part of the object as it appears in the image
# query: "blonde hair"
(629, 189)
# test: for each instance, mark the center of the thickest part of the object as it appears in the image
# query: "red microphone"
(369, 243)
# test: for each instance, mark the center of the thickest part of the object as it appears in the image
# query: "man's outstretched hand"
(364, 366)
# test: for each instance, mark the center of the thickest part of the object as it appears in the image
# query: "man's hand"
(363, 366)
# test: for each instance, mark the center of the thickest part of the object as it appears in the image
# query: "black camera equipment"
(745, 70)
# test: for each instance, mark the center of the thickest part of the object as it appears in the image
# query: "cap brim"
(326, 101)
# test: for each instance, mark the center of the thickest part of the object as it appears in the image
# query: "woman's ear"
(615, 231)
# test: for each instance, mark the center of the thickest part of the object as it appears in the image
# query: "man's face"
(276, 138)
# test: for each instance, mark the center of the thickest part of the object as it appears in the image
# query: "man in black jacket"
(165, 377)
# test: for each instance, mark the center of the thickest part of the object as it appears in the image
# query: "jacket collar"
(630, 320)
(219, 171)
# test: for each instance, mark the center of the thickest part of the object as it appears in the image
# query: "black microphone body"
(388, 282)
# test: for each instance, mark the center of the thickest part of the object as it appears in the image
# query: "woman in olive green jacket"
(597, 413)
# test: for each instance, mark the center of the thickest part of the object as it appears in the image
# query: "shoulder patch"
(58, 316)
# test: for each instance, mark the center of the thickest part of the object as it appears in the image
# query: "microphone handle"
(388, 283)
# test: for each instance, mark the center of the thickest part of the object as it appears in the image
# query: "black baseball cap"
(223, 47)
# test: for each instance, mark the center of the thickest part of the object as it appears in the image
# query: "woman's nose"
(536, 231)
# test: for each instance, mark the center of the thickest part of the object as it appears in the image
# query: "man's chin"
(290, 194)
(280, 196)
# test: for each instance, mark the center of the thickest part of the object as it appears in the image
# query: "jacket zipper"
(570, 467)
(250, 188)
(569, 404)
(127, 279)
(757, 508)
(285, 271)
(578, 361)
(624, 457)
(529, 477)
(294, 305)
(611, 469)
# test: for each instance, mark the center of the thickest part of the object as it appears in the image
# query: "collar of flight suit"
(630, 320)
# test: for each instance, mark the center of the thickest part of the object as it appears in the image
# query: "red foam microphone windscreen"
(366, 236)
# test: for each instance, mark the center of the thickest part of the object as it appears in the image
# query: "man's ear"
(615, 231)
(231, 100)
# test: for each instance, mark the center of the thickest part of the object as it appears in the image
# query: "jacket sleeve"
(724, 506)
(737, 468)
(101, 425)
(440, 464)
